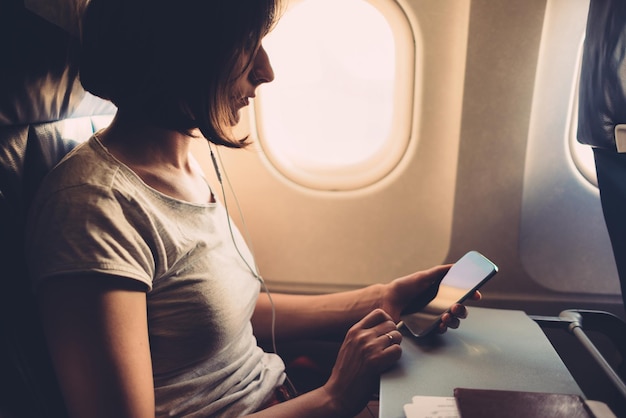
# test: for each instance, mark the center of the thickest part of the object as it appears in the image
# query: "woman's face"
(256, 71)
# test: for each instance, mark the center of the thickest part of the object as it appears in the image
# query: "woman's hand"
(413, 292)
(370, 347)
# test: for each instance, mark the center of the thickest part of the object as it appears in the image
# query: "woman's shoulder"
(87, 165)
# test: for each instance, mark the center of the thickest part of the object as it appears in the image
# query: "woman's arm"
(312, 316)
(97, 334)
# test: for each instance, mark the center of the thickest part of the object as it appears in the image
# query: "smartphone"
(460, 282)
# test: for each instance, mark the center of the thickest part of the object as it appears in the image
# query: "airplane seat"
(44, 112)
(601, 107)
(602, 104)
(602, 114)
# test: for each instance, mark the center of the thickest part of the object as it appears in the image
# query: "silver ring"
(390, 338)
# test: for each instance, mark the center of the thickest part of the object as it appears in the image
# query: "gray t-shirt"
(93, 214)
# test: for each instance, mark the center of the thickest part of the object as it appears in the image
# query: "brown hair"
(170, 62)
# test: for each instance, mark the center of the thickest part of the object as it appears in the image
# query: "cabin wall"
(488, 169)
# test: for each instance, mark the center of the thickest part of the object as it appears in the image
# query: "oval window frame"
(390, 152)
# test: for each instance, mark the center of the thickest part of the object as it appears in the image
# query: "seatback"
(44, 113)
(602, 88)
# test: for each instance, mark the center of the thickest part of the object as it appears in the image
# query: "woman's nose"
(262, 71)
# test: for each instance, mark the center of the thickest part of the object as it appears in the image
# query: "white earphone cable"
(254, 268)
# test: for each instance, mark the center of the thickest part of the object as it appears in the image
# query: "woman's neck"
(138, 143)
(160, 157)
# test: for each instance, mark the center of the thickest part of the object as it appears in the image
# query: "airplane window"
(564, 245)
(338, 114)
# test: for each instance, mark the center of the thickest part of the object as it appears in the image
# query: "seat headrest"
(39, 75)
(42, 100)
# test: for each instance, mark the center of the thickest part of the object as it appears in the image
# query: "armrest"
(577, 321)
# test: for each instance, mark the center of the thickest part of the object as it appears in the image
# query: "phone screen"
(465, 277)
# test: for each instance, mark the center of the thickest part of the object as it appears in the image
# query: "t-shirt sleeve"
(88, 229)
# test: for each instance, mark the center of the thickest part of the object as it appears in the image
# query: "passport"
(488, 403)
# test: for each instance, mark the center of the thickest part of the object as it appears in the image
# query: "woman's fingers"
(370, 347)
(390, 338)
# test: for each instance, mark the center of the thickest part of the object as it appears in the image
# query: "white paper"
(432, 407)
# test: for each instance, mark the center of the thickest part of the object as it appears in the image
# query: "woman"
(148, 298)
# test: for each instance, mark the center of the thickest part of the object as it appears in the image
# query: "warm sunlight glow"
(331, 107)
